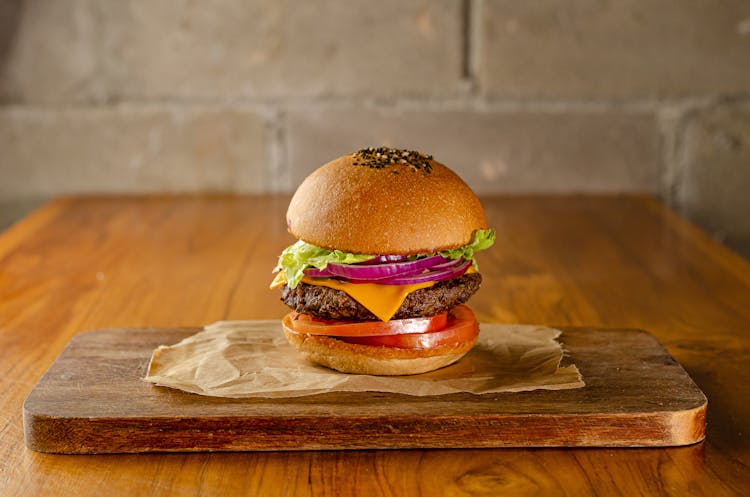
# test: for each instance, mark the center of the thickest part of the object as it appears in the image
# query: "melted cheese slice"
(381, 300)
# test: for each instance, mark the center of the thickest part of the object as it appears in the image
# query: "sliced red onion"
(446, 265)
(439, 275)
(380, 259)
(326, 273)
(377, 272)
(434, 268)
(318, 273)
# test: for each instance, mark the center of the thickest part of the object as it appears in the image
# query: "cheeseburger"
(383, 265)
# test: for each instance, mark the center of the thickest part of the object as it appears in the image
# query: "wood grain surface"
(624, 261)
(94, 400)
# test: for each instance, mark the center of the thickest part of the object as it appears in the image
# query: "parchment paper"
(253, 359)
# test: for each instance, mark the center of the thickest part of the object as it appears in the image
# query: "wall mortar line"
(474, 39)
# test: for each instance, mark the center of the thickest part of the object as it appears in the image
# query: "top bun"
(385, 201)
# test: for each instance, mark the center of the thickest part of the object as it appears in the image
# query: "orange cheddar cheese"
(381, 300)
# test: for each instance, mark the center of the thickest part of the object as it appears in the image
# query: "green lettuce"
(300, 256)
(483, 239)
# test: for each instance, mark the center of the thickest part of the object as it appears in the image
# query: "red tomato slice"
(461, 327)
(304, 323)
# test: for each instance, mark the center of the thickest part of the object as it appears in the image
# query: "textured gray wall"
(250, 96)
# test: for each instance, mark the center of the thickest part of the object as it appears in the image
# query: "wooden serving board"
(93, 400)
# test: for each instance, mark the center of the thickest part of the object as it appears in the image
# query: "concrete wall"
(251, 95)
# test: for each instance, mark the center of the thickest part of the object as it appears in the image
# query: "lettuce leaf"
(300, 256)
(483, 239)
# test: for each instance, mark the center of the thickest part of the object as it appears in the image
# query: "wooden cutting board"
(93, 400)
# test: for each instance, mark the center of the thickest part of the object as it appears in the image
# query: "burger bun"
(398, 209)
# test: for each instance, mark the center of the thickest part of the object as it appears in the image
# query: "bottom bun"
(368, 359)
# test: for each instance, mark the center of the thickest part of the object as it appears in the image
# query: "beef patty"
(327, 303)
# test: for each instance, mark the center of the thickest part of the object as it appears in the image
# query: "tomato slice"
(304, 323)
(461, 327)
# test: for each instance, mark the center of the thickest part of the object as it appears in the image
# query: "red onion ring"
(380, 259)
(440, 275)
(434, 268)
(318, 273)
(446, 265)
(376, 272)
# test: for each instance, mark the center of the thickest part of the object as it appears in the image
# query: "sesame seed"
(381, 157)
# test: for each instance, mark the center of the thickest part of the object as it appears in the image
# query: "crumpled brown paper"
(253, 359)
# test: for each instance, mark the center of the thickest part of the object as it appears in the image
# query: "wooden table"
(624, 261)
